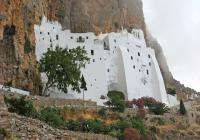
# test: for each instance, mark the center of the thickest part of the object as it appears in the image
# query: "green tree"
(182, 108)
(83, 87)
(63, 68)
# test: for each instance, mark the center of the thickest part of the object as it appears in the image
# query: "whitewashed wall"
(120, 61)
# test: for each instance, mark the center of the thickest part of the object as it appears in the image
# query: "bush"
(182, 108)
(117, 129)
(3, 133)
(159, 108)
(27, 45)
(137, 123)
(52, 117)
(74, 125)
(131, 134)
(21, 106)
(171, 91)
(116, 101)
(103, 112)
(116, 93)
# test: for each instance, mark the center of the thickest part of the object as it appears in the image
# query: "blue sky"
(176, 25)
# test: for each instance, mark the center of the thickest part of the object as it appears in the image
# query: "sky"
(176, 25)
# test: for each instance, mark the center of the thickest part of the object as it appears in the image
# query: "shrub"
(182, 108)
(52, 117)
(27, 45)
(21, 106)
(116, 101)
(137, 123)
(102, 112)
(159, 108)
(117, 129)
(3, 133)
(171, 91)
(94, 126)
(131, 134)
(73, 125)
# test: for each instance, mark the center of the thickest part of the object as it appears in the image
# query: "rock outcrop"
(17, 39)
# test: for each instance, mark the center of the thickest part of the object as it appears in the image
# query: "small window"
(53, 27)
(131, 57)
(139, 70)
(71, 37)
(113, 52)
(134, 66)
(42, 38)
(93, 60)
(86, 37)
(149, 63)
(100, 58)
(149, 56)
(50, 40)
(128, 50)
(40, 32)
(115, 47)
(48, 33)
(115, 40)
(92, 52)
(57, 37)
(108, 70)
(138, 54)
(147, 72)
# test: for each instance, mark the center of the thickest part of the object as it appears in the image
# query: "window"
(128, 50)
(80, 39)
(149, 56)
(115, 40)
(57, 37)
(147, 72)
(100, 58)
(71, 37)
(92, 52)
(48, 33)
(113, 52)
(149, 63)
(131, 57)
(134, 66)
(108, 70)
(138, 53)
(139, 70)
(40, 32)
(50, 40)
(93, 60)
(86, 37)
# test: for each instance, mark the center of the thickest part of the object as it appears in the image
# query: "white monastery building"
(118, 61)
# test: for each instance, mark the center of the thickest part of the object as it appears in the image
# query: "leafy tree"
(182, 108)
(63, 68)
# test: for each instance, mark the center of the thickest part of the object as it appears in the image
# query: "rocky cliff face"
(17, 19)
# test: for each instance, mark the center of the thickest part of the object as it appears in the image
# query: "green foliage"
(158, 108)
(83, 83)
(94, 126)
(74, 125)
(62, 68)
(52, 117)
(171, 91)
(21, 106)
(27, 45)
(138, 124)
(61, 13)
(3, 132)
(116, 93)
(182, 108)
(102, 112)
(116, 101)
